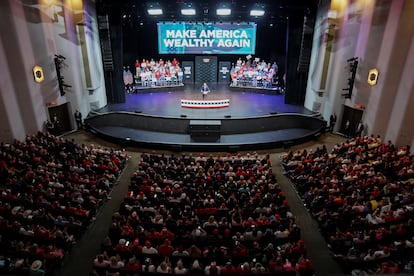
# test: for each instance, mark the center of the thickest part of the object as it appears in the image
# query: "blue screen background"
(214, 46)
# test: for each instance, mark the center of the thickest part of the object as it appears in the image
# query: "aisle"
(318, 251)
(79, 261)
(82, 255)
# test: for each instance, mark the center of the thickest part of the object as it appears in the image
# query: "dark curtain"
(115, 91)
(295, 80)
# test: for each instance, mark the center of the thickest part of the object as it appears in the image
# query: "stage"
(254, 119)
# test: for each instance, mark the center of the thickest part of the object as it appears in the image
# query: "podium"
(187, 103)
(205, 130)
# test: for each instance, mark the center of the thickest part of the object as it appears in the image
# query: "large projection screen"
(206, 38)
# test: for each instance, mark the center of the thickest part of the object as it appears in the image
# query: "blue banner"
(206, 38)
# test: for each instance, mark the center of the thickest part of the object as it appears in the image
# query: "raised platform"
(139, 87)
(253, 121)
(187, 103)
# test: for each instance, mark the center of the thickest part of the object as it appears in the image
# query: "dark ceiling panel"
(135, 10)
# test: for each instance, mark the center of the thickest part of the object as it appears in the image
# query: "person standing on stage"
(137, 68)
(205, 90)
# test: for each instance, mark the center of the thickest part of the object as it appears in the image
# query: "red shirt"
(165, 250)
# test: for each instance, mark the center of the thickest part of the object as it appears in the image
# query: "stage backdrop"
(188, 71)
(224, 71)
(206, 38)
(205, 69)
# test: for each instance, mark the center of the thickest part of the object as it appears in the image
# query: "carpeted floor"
(79, 261)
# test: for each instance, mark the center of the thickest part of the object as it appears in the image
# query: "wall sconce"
(38, 74)
(373, 76)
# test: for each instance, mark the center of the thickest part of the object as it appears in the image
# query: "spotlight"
(223, 10)
(188, 10)
(154, 9)
(257, 10)
(256, 13)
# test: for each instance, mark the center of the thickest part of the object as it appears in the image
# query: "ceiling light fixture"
(188, 10)
(257, 10)
(223, 10)
(154, 9)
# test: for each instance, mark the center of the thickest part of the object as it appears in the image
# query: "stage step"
(205, 130)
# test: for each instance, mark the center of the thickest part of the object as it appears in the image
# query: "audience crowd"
(203, 215)
(244, 73)
(149, 72)
(206, 215)
(361, 192)
(50, 190)
(254, 73)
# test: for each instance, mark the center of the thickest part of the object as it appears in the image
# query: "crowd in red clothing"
(254, 73)
(361, 193)
(151, 72)
(50, 189)
(203, 215)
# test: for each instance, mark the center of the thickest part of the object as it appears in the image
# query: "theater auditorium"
(210, 137)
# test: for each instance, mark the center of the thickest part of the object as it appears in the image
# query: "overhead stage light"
(154, 10)
(188, 10)
(223, 10)
(257, 10)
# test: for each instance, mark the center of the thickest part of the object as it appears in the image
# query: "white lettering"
(211, 33)
(169, 42)
(192, 34)
(170, 33)
(177, 42)
(228, 43)
(206, 34)
(178, 34)
(181, 34)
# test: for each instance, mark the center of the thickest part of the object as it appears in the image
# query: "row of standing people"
(54, 124)
(348, 128)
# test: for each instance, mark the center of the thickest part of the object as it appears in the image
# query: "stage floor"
(244, 102)
(255, 119)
